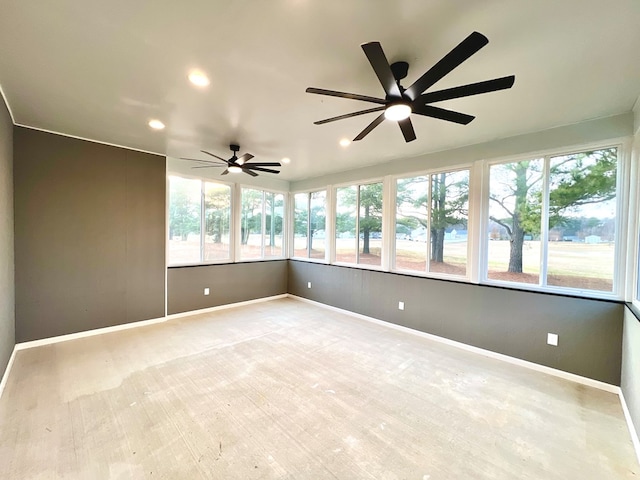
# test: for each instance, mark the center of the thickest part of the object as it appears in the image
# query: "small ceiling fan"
(399, 102)
(236, 164)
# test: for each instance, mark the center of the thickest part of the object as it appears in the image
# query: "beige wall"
(89, 235)
(7, 294)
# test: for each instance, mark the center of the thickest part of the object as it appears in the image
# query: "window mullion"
(203, 222)
(428, 233)
(544, 221)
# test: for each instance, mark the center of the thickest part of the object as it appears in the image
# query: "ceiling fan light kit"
(397, 111)
(399, 102)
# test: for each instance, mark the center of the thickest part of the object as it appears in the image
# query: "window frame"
(622, 210)
(471, 238)
(385, 227)
(328, 216)
(238, 233)
(203, 181)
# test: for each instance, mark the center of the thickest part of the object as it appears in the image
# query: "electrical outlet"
(400, 305)
(552, 339)
(206, 291)
(308, 284)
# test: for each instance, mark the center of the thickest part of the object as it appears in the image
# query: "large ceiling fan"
(236, 164)
(399, 102)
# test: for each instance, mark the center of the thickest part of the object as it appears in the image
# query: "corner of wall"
(7, 250)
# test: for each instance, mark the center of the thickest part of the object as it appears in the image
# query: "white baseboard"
(142, 323)
(630, 425)
(481, 351)
(226, 306)
(87, 333)
(5, 377)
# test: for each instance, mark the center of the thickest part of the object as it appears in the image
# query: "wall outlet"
(552, 339)
(400, 305)
(206, 291)
(308, 284)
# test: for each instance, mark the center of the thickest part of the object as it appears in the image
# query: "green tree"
(449, 208)
(217, 211)
(184, 207)
(251, 215)
(370, 212)
(575, 180)
(449, 205)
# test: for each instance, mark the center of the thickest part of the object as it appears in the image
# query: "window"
(309, 225)
(217, 214)
(189, 242)
(431, 223)
(358, 237)
(261, 224)
(552, 221)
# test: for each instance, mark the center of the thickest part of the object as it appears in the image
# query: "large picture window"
(261, 224)
(199, 221)
(309, 225)
(431, 223)
(552, 221)
(358, 237)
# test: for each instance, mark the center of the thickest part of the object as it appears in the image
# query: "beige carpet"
(284, 390)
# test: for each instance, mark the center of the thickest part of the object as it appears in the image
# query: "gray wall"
(630, 383)
(228, 283)
(89, 235)
(7, 294)
(510, 322)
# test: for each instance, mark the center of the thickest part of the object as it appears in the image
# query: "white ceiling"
(100, 70)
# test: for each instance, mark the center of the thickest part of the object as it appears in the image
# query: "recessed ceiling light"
(198, 78)
(286, 160)
(345, 142)
(156, 124)
(234, 169)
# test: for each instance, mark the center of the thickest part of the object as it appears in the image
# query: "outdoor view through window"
(556, 229)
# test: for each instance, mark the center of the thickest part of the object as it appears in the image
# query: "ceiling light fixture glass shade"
(234, 169)
(397, 111)
(198, 78)
(156, 124)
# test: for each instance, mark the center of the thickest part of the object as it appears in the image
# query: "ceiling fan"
(399, 102)
(236, 164)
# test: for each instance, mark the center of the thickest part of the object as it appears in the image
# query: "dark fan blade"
(352, 96)
(379, 119)
(244, 158)
(249, 172)
(211, 166)
(407, 130)
(468, 90)
(201, 161)
(451, 60)
(348, 115)
(215, 156)
(263, 164)
(378, 60)
(442, 114)
(225, 172)
(260, 169)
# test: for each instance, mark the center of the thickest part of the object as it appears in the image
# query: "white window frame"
(238, 228)
(292, 233)
(385, 223)
(622, 211)
(203, 181)
(471, 239)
